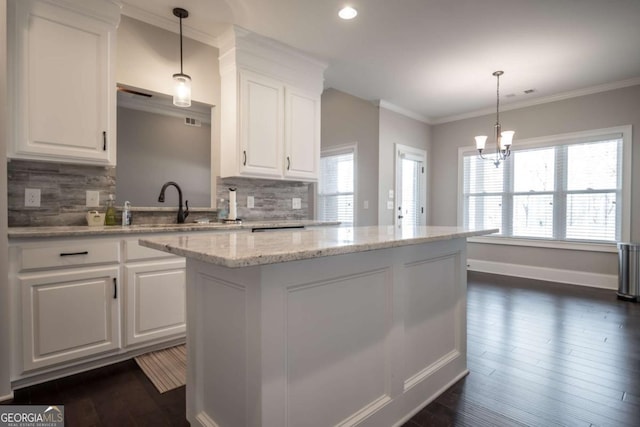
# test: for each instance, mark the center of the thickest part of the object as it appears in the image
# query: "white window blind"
(335, 187)
(557, 190)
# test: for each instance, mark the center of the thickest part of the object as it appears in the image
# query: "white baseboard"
(572, 277)
(6, 397)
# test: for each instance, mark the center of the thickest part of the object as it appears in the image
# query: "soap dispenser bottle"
(126, 214)
(110, 216)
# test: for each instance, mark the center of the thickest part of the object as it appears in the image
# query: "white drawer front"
(70, 254)
(134, 252)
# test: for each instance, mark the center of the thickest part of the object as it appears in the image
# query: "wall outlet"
(250, 202)
(365, 204)
(296, 203)
(32, 197)
(389, 204)
(93, 199)
(391, 194)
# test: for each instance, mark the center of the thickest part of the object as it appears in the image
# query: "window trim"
(336, 150)
(554, 140)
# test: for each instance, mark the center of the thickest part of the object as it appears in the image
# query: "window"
(336, 185)
(572, 187)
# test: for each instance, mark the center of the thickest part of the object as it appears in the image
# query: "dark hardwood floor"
(540, 354)
(543, 354)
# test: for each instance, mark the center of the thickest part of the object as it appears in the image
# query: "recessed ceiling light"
(347, 13)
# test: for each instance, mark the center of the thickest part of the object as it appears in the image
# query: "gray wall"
(398, 129)
(5, 386)
(147, 57)
(347, 120)
(601, 110)
(154, 149)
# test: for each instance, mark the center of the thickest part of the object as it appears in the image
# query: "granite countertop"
(232, 249)
(82, 230)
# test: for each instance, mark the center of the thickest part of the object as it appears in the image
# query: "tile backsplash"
(63, 195)
(62, 191)
(272, 198)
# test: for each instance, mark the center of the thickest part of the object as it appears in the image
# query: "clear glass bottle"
(110, 216)
(222, 210)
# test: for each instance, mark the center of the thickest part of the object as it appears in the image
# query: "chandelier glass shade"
(503, 139)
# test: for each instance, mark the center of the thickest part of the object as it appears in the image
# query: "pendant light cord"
(181, 72)
(498, 100)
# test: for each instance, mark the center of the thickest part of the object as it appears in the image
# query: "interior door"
(411, 186)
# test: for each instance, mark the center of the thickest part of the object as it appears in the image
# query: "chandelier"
(503, 138)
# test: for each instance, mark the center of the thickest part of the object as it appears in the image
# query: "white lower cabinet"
(155, 305)
(79, 301)
(69, 315)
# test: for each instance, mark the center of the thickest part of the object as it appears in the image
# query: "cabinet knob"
(104, 140)
(288, 163)
(244, 162)
(115, 288)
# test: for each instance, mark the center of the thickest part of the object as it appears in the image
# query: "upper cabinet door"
(261, 125)
(63, 85)
(302, 135)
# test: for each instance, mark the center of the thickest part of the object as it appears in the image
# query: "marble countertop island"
(243, 249)
(327, 326)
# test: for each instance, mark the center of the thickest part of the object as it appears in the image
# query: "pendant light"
(181, 81)
(503, 139)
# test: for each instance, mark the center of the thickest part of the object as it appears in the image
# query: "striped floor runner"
(167, 369)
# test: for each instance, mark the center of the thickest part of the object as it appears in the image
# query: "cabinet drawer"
(68, 254)
(134, 252)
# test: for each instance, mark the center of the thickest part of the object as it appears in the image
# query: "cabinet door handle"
(288, 163)
(74, 253)
(104, 140)
(115, 288)
(244, 162)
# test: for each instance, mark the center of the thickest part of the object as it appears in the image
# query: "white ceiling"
(434, 58)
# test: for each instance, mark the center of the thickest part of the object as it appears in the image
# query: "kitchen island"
(329, 326)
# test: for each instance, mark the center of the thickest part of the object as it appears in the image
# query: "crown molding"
(542, 100)
(402, 111)
(168, 23)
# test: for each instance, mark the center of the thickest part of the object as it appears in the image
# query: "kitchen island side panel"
(364, 338)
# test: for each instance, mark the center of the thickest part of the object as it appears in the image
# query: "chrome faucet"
(181, 214)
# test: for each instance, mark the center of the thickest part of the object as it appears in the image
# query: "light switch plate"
(250, 202)
(389, 204)
(32, 197)
(93, 199)
(391, 194)
(296, 203)
(365, 204)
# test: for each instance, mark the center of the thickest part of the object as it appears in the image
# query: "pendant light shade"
(181, 81)
(181, 90)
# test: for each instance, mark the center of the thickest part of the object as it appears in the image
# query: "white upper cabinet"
(62, 82)
(302, 134)
(270, 109)
(261, 125)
